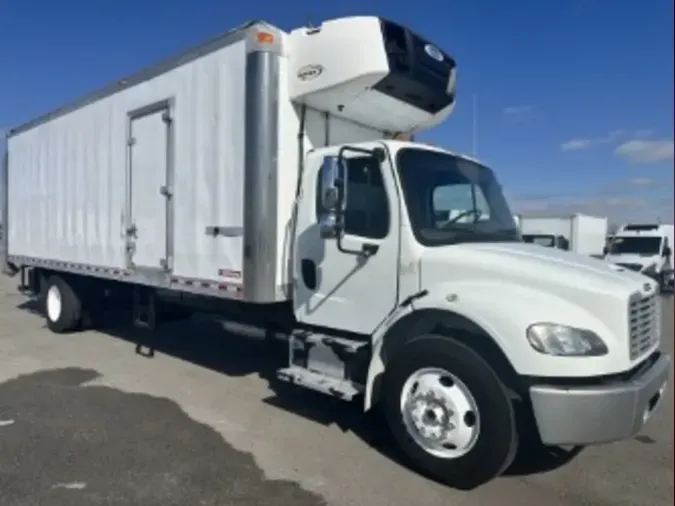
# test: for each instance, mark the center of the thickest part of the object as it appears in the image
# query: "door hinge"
(131, 141)
(166, 117)
(132, 230)
(164, 264)
(166, 191)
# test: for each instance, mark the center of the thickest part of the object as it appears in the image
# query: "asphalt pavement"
(89, 419)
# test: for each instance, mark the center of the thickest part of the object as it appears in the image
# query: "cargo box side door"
(149, 224)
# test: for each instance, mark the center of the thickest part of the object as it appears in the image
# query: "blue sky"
(574, 98)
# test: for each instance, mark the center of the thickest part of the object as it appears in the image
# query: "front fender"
(502, 312)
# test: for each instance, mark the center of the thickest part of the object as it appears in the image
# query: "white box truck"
(644, 248)
(579, 232)
(257, 177)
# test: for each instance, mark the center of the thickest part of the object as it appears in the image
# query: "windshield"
(635, 246)
(541, 240)
(550, 241)
(452, 200)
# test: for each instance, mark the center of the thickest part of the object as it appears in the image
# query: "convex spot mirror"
(333, 196)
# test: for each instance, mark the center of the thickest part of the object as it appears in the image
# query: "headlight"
(561, 340)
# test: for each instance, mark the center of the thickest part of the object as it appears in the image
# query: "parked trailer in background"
(579, 233)
(645, 248)
(255, 177)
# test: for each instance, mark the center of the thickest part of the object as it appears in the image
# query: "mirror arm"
(367, 250)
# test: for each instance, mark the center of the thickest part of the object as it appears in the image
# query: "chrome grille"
(643, 324)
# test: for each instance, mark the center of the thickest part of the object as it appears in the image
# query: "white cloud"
(640, 181)
(576, 144)
(641, 134)
(518, 110)
(608, 138)
(623, 201)
(643, 151)
(618, 209)
(519, 113)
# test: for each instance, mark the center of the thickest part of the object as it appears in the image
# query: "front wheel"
(449, 412)
(665, 283)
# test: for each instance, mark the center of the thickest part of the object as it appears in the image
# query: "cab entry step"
(340, 388)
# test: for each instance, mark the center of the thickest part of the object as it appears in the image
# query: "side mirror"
(667, 251)
(605, 250)
(333, 196)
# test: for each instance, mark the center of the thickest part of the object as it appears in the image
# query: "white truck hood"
(529, 263)
(507, 286)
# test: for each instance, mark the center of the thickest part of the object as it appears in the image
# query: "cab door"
(348, 284)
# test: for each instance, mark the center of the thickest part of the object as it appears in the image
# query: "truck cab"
(644, 248)
(388, 197)
(463, 322)
(407, 259)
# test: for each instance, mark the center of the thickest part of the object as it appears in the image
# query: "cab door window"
(367, 210)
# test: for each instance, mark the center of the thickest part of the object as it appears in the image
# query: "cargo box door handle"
(166, 191)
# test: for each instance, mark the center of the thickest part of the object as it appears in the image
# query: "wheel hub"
(440, 413)
(53, 303)
(431, 417)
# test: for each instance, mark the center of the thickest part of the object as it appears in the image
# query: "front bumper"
(589, 415)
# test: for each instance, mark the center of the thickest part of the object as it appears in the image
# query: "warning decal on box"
(229, 274)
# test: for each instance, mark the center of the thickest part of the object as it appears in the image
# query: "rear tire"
(458, 423)
(63, 308)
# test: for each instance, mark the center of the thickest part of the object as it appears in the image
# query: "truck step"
(335, 387)
(337, 343)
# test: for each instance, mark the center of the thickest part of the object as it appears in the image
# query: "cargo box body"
(586, 234)
(183, 176)
(67, 177)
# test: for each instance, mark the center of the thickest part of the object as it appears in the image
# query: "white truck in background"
(579, 233)
(257, 178)
(644, 248)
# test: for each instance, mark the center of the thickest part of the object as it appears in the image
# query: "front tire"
(665, 284)
(63, 308)
(449, 412)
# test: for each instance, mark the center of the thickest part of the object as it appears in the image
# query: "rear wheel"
(449, 412)
(63, 308)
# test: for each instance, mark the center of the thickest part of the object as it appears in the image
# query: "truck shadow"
(203, 342)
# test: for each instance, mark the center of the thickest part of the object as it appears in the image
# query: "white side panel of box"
(65, 200)
(552, 226)
(319, 131)
(66, 191)
(589, 234)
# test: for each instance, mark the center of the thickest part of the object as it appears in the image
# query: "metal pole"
(474, 126)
